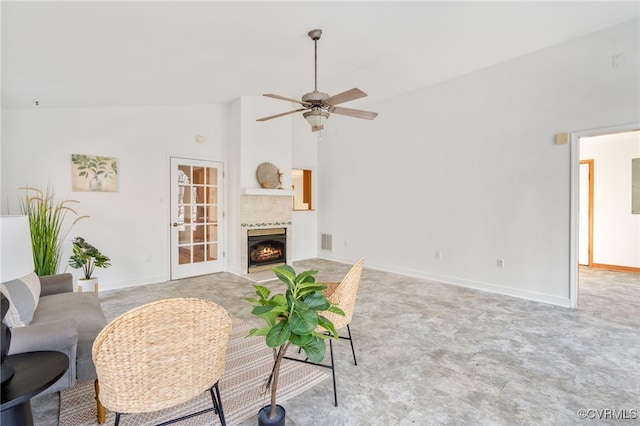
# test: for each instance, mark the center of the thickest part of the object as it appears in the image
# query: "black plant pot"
(278, 420)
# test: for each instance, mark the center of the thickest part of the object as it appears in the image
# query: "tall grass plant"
(49, 225)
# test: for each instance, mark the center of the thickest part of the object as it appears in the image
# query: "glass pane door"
(196, 217)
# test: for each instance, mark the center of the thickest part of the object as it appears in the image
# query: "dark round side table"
(35, 372)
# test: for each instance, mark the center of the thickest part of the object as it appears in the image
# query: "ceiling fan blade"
(282, 98)
(367, 115)
(346, 96)
(280, 115)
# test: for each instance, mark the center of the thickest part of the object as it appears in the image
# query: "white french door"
(196, 217)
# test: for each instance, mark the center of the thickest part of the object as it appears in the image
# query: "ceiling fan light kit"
(317, 105)
(316, 118)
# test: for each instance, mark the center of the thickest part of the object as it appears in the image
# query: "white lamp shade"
(16, 255)
(316, 117)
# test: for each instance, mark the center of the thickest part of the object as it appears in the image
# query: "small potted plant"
(292, 318)
(88, 258)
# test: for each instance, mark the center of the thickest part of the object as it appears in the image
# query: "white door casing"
(584, 214)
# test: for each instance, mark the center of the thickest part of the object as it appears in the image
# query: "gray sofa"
(63, 321)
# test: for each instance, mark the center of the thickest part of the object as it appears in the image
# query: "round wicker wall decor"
(267, 174)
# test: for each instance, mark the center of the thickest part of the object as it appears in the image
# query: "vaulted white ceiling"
(86, 53)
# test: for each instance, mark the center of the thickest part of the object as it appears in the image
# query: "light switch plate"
(562, 138)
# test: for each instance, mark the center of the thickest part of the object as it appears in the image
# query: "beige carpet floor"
(248, 364)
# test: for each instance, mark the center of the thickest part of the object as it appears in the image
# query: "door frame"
(589, 164)
(574, 190)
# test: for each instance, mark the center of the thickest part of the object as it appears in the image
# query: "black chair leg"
(332, 366)
(117, 419)
(217, 403)
(351, 341)
(333, 373)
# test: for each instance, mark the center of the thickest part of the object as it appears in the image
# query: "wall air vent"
(327, 242)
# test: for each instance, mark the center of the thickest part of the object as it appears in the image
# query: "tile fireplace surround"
(263, 212)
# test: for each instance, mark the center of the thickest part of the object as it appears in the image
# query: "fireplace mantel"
(269, 192)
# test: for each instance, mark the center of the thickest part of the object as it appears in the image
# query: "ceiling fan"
(317, 104)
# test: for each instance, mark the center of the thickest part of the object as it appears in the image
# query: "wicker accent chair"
(160, 355)
(342, 294)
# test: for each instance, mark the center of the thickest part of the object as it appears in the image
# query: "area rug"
(248, 364)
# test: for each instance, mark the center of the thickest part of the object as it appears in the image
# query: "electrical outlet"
(438, 255)
(500, 263)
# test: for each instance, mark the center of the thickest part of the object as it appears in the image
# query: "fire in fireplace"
(267, 248)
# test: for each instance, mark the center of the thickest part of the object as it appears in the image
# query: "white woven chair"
(342, 294)
(162, 354)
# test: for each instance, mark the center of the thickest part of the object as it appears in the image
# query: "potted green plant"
(88, 258)
(292, 318)
(49, 226)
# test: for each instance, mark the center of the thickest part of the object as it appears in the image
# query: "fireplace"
(266, 248)
(264, 216)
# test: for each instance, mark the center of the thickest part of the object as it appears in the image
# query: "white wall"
(263, 141)
(469, 168)
(233, 180)
(616, 232)
(131, 225)
(305, 156)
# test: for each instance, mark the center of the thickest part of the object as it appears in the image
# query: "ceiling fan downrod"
(315, 36)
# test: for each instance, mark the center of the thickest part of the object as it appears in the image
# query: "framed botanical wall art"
(94, 173)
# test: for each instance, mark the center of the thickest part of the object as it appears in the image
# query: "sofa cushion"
(85, 309)
(23, 294)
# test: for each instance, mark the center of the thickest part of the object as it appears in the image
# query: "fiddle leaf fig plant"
(293, 318)
(87, 257)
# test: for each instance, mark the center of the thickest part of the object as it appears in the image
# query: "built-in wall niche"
(301, 184)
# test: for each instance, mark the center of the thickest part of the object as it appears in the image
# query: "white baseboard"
(461, 282)
(117, 285)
